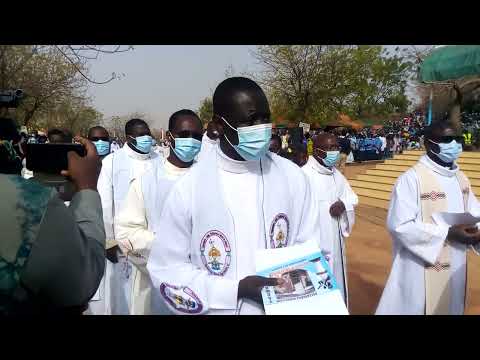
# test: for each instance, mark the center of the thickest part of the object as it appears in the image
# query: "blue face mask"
(253, 141)
(448, 152)
(332, 158)
(144, 143)
(186, 148)
(103, 147)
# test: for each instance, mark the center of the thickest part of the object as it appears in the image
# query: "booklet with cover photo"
(309, 287)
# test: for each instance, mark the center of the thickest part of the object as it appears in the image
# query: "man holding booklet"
(240, 198)
(429, 267)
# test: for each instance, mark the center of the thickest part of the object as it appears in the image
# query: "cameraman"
(10, 142)
(51, 257)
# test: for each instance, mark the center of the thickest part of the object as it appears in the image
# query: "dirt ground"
(369, 259)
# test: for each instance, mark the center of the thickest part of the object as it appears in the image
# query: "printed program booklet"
(309, 288)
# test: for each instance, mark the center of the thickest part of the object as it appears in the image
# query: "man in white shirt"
(139, 217)
(335, 202)
(237, 199)
(383, 139)
(118, 170)
(428, 273)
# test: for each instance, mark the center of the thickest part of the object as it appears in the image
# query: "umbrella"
(451, 65)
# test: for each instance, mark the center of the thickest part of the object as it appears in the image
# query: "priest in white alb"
(429, 270)
(138, 220)
(118, 170)
(237, 199)
(334, 201)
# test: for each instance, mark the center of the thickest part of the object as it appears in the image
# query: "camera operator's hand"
(251, 287)
(464, 234)
(84, 171)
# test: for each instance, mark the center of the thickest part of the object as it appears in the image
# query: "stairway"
(375, 185)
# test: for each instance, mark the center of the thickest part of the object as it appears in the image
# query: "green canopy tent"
(456, 65)
(450, 63)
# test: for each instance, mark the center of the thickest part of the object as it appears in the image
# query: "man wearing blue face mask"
(138, 221)
(118, 171)
(101, 139)
(428, 275)
(239, 198)
(335, 202)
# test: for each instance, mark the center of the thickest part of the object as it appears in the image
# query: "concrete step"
(400, 162)
(370, 185)
(397, 168)
(472, 174)
(375, 179)
(466, 160)
(413, 152)
(391, 174)
(476, 191)
(406, 157)
(364, 200)
(470, 154)
(474, 182)
(377, 194)
(470, 167)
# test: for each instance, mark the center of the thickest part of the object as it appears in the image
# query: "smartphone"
(51, 158)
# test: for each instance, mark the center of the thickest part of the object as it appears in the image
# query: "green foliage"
(77, 117)
(315, 83)
(205, 111)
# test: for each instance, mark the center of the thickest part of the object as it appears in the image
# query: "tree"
(75, 116)
(116, 124)
(314, 83)
(49, 76)
(205, 111)
(43, 74)
(290, 74)
(81, 54)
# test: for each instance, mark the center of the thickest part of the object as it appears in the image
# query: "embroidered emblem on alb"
(465, 191)
(433, 196)
(215, 252)
(279, 231)
(181, 298)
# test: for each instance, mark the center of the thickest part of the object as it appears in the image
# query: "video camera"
(11, 98)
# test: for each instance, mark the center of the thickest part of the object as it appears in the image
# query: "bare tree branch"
(81, 72)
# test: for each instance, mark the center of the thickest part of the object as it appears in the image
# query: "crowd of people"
(369, 143)
(173, 228)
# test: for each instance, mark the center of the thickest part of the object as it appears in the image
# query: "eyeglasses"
(96, 138)
(188, 134)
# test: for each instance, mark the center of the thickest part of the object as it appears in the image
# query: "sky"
(160, 80)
